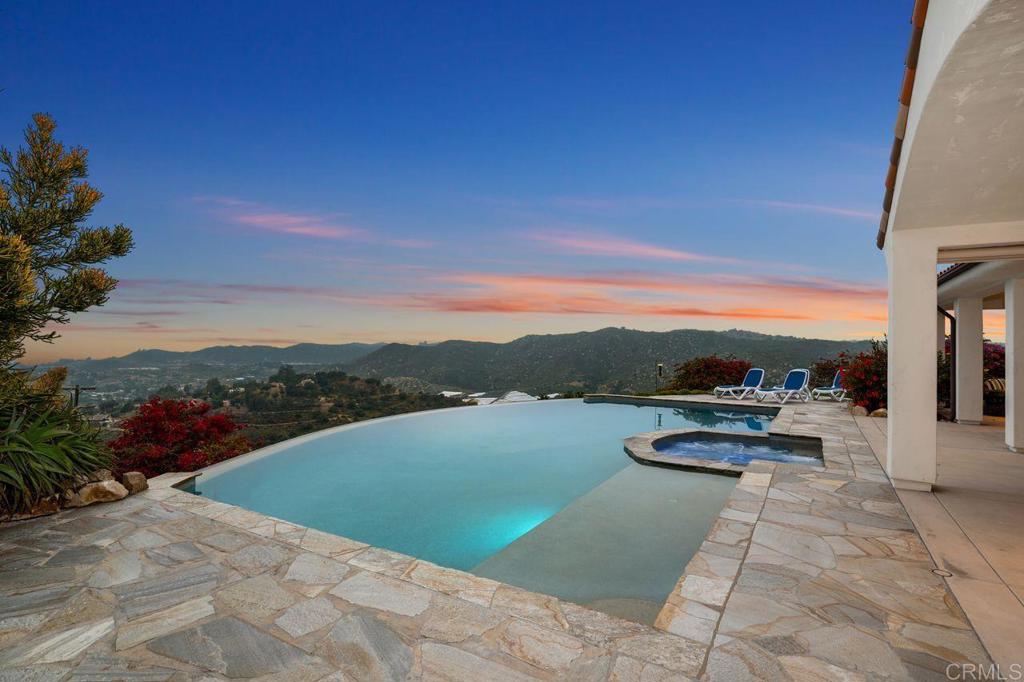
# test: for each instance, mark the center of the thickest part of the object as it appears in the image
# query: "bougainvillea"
(176, 435)
(704, 373)
(865, 376)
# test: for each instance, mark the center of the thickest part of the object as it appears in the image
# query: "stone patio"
(810, 573)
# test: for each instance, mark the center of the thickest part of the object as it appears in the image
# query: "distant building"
(491, 397)
(452, 394)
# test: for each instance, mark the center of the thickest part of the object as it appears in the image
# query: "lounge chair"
(751, 382)
(834, 392)
(795, 386)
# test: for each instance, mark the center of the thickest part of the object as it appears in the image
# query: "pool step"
(621, 547)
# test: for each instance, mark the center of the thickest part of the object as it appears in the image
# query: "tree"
(176, 435)
(48, 258)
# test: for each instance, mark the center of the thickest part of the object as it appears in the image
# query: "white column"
(912, 375)
(940, 333)
(969, 360)
(1014, 364)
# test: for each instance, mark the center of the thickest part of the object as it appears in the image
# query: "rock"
(101, 475)
(859, 411)
(134, 481)
(100, 491)
(880, 412)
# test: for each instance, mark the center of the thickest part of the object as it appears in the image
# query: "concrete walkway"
(973, 525)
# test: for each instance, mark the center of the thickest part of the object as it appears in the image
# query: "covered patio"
(952, 230)
(953, 196)
(970, 522)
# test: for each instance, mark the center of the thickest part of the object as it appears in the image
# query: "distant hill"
(143, 372)
(299, 354)
(611, 359)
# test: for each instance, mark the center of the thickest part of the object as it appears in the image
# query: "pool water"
(734, 452)
(459, 487)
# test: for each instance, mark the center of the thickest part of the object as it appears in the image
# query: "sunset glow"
(372, 184)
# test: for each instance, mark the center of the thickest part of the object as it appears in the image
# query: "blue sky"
(394, 171)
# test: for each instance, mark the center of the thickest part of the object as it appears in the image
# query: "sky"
(334, 172)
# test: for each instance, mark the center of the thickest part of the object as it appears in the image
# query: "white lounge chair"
(794, 387)
(751, 382)
(834, 392)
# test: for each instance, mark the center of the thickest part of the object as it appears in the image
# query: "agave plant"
(43, 454)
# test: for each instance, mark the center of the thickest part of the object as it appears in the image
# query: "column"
(1014, 364)
(969, 360)
(912, 376)
(940, 333)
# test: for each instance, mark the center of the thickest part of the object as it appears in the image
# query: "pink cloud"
(818, 208)
(317, 225)
(606, 245)
(293, 223)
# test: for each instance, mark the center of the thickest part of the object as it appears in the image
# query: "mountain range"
(610, 359)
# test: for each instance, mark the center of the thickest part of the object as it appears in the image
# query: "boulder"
(101, 475)
(134, 481)
(99, 491)
(859, 411)
(880, 412)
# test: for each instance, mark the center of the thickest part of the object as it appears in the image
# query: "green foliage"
(611, 360)
(47, 256)
(44, 454)
(48, 271)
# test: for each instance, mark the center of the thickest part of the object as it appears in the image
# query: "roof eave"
(906, 93)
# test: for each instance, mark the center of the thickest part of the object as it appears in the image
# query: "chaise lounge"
(751, 383)
(794, 387)
(834, 392)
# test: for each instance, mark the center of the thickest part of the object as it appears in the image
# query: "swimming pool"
(539, 495)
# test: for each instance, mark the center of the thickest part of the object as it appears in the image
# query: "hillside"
(612, 359)
(141, 373)
(299, 354)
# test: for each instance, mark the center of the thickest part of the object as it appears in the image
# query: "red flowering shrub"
(704, 373)
(176, 435)
(866, 374)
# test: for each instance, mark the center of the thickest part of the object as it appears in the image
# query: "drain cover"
(943, 573)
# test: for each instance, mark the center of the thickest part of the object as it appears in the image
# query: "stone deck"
(808, 574)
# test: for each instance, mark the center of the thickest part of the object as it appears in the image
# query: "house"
(954, 196)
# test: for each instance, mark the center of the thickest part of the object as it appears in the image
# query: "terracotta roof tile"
(917, 19)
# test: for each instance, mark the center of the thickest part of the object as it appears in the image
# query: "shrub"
(704, 373)
(823, 372)
(865, 376)
(176, 435)
(45, 454)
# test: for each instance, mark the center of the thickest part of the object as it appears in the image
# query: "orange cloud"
(706, 284)
(586, 305)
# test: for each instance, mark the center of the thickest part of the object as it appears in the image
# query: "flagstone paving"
(809, 573)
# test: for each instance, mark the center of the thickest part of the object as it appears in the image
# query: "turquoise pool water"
(459, 486)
